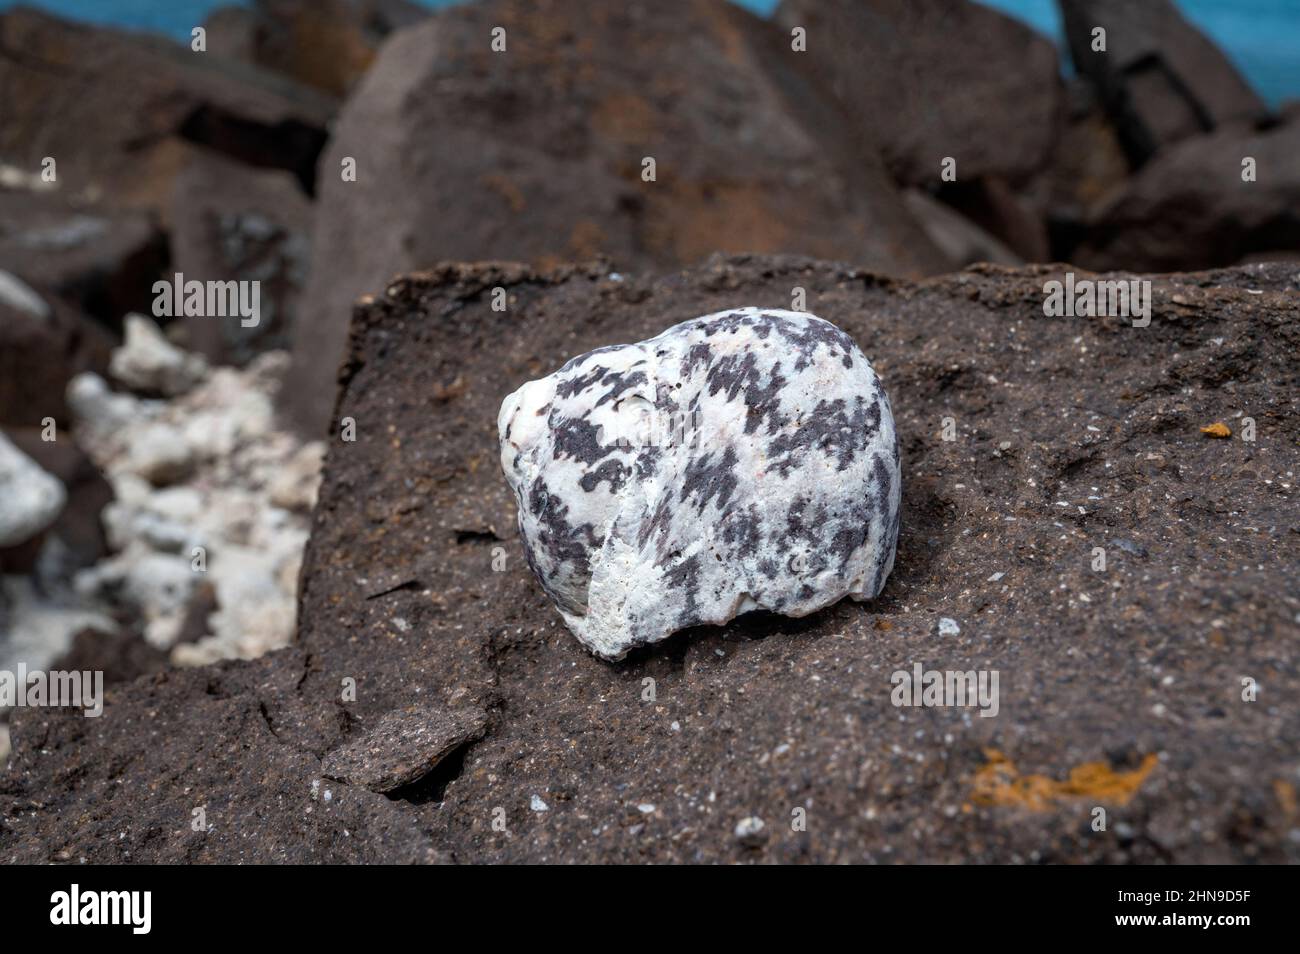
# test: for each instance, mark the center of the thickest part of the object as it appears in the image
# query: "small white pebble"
(750, 831)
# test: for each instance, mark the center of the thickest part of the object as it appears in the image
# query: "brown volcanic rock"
(1190, 208)
(78, 525)
(1119, 688)
(1088, 166)
(39, 354)
(327, 44)
(936, 78)
(1160, 79)
(252, 748)
(114, 108)
(404, 747)
(101, 257)
(120, 656)
(536, 153)
(234, 222)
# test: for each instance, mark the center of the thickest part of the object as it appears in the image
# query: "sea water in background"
(1261, 36)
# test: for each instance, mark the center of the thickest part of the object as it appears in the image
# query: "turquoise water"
(1261, 36)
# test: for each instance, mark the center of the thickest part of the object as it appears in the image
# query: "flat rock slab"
(1120, 688)
(405, 746)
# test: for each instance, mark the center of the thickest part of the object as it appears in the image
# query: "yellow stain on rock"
(1286, 796)
(999, 782)
(1217, 429)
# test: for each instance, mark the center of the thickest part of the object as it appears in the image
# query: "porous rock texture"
(744, 460)
(1120, 688)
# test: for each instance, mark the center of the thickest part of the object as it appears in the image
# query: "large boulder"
(537, 153)
(1190, 207)
(115, 109)
(931, 79)
(1119, 688)
(1160, 78)
(327, 44)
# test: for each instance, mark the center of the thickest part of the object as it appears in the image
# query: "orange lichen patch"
(999, 782)
(1218, 429)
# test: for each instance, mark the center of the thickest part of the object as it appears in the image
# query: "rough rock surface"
(1119, 688)
(740, 461)
(990, 99)
(1160, 78)
(539, 156)
(404, 747)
